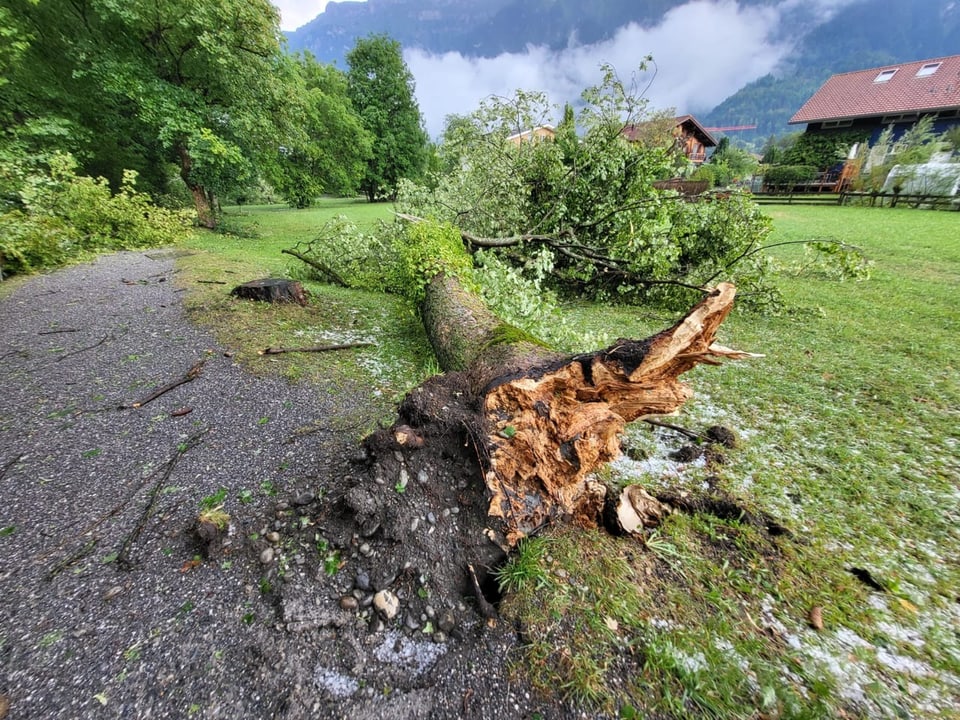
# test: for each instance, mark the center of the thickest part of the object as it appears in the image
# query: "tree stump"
(272, 290)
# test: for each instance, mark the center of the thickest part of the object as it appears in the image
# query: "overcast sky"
(704, 51)
(294, 13)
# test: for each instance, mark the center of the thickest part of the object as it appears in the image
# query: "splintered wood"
(553, 425)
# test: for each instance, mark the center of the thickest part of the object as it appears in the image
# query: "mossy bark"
(465, 334)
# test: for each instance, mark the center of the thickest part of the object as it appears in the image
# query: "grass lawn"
(849, 435)
(400, 355)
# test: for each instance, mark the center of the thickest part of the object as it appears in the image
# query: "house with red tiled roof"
(537, 134)
(692, 138)
(898, 95)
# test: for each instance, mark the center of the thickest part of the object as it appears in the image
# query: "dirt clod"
(722, 436)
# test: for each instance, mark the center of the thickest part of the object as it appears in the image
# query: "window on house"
(928, 69)
(885, 75)
(836, 123)
(902, 118)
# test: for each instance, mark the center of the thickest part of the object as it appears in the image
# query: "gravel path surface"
(109, 611)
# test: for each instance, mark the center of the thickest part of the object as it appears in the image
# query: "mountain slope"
(476, 28)
(860, 34)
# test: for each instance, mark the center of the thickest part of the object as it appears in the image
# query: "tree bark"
(542, 422)
(205, 214)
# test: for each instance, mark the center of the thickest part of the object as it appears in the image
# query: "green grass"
(281, 224)
(849, 431)
(849, 436)
(399, 357)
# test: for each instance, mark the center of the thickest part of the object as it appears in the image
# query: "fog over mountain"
(731, 62)
(703, 52)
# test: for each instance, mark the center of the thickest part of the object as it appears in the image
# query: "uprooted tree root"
(505, 443)
(723, 507)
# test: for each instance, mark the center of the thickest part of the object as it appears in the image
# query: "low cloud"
(294, 13)
(704, 51)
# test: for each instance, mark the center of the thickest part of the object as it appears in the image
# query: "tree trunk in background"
(206, 217)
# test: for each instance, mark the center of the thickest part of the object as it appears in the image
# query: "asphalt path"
(109, 609)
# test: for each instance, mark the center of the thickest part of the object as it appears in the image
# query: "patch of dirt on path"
(113, 607)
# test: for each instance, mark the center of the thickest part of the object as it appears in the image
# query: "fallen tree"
(503, 444)
(528, 425)
(541, 422)
(508, 439)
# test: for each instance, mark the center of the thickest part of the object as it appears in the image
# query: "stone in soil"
(349, 603)
(387, 604)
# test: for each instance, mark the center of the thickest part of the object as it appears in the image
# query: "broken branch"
(123, 556)
(312, 348)
(84, 349)
(483, 605)
(319, 267)
(192, 373)
(676, 428)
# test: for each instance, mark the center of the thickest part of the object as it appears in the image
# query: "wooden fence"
(880, 199)
(797, 198)
(871, 199)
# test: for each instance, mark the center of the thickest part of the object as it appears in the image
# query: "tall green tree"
(327, 150)
(382, 90)
(199, 83)
(39, 112)
(205, 79)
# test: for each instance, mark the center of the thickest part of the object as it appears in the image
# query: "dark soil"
(119, 603)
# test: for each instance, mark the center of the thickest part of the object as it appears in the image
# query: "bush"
(823, 150)
(785, 176)
(425, 249)
(63, 216)
(706, 173)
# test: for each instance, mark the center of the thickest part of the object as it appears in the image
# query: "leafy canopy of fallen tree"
(581, 213)
(575, 216)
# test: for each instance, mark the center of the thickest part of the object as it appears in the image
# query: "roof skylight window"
(885, 75)
(928, 69)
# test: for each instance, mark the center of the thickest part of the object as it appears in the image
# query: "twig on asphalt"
(191, 374)
(10, 464)
(84, 349)
(123, 555)
(73, 558)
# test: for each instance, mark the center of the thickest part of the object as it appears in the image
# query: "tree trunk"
(541, 422)
(206, 217)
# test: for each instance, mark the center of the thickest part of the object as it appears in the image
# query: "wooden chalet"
(691, 137)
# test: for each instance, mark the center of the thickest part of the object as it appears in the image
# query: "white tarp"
(939, 178)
